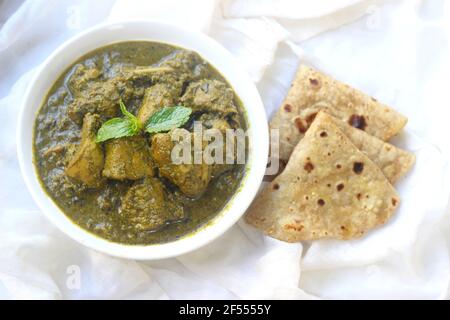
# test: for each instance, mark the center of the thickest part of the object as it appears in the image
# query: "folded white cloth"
(396, 51)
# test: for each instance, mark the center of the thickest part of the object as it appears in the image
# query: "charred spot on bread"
(358, 167)
(308, 167)
(357, 121)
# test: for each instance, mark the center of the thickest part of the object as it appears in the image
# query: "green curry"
(127, 189)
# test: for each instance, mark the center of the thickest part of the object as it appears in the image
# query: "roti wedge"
(393, 161)
(312, 91)
(328, 190)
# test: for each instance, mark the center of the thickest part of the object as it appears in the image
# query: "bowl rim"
(235, 207)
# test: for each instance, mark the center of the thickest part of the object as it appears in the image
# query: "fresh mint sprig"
(126, 126)
(162, 120)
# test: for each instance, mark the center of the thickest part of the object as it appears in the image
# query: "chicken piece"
(212, 121)
(81, 76)
(100, 97)
(147, 206)
(175, 69)
(191, 179)
(87, 162)
(156, 97)
(183, 62)
(209, 95)
(127, 158)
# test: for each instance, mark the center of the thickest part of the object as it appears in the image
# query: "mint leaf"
(163, 120)
(168, 118)
(119, 127)
(115, 128)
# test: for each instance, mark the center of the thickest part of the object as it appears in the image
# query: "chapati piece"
(312, 91)
(393, 161)
(329, 189)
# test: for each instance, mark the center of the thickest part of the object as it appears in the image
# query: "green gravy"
(94, 84)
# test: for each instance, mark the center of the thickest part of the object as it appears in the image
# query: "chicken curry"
(126, 189)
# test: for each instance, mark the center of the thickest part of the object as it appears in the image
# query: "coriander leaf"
(168, 118)
(116, 128)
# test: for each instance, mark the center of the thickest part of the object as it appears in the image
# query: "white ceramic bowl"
(209, 49)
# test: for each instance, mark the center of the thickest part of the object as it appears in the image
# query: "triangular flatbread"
(329, 189)
(312, 91)
(393, 161)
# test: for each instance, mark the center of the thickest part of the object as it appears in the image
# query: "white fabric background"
(397, 51)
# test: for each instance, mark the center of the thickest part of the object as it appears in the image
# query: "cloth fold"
(396, 51)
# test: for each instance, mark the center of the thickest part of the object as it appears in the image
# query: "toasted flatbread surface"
(393, 161)
(312, 91)
(329, 189)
